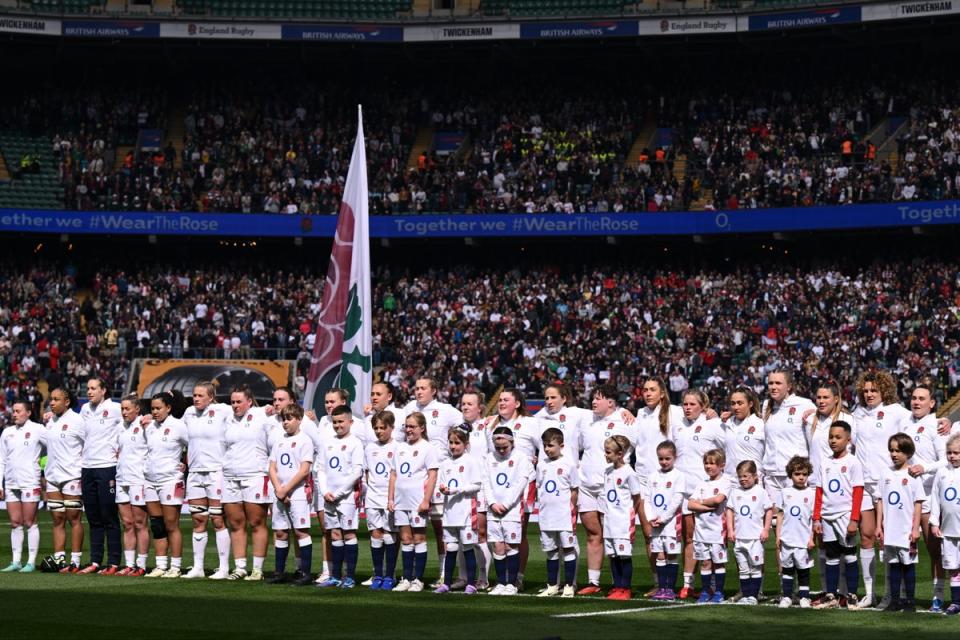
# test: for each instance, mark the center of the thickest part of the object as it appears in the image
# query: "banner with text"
(576, 30)
(804, 19)
(30, 25)
(461, 32)
(907, 10)
(685, 26)
(342, 33)
(459, 226)
(110, 29)
(221, 30)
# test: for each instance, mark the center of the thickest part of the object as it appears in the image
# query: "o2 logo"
(551, 488)
(334, 463)
(286, 461)
(834, 487)
(795, 511)
(951, 495)
(659, 501)
(405, 470)
(893, 499)
(381, 469)
(613, 497)
(503, 480)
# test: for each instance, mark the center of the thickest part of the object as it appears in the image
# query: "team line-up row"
(693, 479)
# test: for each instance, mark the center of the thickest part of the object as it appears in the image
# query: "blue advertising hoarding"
(510, 225)
(341, 33)
(805, 19)
(110, 29)
(574, 30)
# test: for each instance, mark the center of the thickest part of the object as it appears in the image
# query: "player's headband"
(503, 432)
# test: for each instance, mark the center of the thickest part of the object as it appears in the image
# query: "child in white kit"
(664, 495)
(558, 481)
(459, 482)
(795, 532)
(749, 515)
(945, 518)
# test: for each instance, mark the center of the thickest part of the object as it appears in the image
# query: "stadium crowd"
(483, 327)
(277, 152)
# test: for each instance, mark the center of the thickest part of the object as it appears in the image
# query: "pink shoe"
(442, 589)
(470, 589)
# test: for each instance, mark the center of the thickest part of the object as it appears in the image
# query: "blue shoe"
(936, 606)
(717, 598)
(347, 583)
(12, 567)
(330, 582)
(704, 597)
(388, 584)
(377, 583)
(28, 568)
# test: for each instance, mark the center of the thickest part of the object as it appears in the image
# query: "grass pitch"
(40, 605)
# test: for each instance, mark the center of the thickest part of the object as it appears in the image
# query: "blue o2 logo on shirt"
(745, 510)
(503, 480)
(551, 487)
(453, 483)
(659, 501)
(334, 463)
(612, 497)
(834, 486)
(405, 469)
(285, 459)
(795, 511)
(950, 495)
(893, 499)
(381, 469)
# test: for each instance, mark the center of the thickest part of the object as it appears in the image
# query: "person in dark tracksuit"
(102, 422)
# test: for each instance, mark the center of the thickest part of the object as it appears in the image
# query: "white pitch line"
(614, 612)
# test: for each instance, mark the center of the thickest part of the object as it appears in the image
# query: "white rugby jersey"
(205, 429)
(873, 430)
(440, 417)
(820, 443)
(693, 439)
(526, 433)
(287, 455)
(931, 447)
(664, 494)
(412, 464)
(838, 478)
(900, 494)
(745, 440)
(165, 444)
(945, 501)
(797, 507)
(571, 421)
(749, 508)
(709, 524)
(342, 467)
(132, 457)
(505, 482)
(649, 436)
(464, 476)
(246, 445)
(65, 435)
(616, 503)
(20, 448)
(379, 460)
(481, 443)
(556, 479)
(593, 463)
(101, 423)
(784, 435)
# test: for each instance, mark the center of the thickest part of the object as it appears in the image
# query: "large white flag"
(344, 346)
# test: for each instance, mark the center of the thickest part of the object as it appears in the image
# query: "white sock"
(326, 567)
(76, 557)
(162, 562)
(142, 560)
(129, 555)
(257, 563)
(688, 579)
(593, 576)
(442, 564)
(199, 549)
(59, 555)
(483, 568)
(33, 543)
(16, 543)
(240, 563)
(868, 564)
(223, 548)
(175, 563)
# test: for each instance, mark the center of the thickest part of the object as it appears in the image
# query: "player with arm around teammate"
(65, 436)
(131, 487)
(380, 455)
